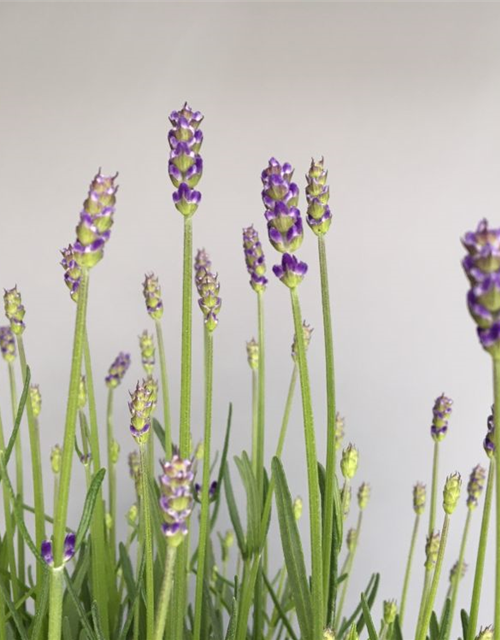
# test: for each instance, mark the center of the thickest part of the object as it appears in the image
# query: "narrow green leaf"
(446, 621)
(128, 572)
(36, 627)
(434, 627)
(81, 611)
(370, 599)
(222, 468)
(67, 634)
(19, 415)
(13, 612)
(253, 517)
(233, 622)
(88, 507)
(464, 617)
(279, 609)
(159, 431)
(372, 633)
(96, 617)
(131, 611)
(234, 515)
(292, 551)
(347, 623)
(397, 634)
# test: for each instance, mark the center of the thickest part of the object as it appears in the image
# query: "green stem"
(205, 487)
(103, 582)
(167, 425)
(166, 589)
(255, 422)
(148, 540)
(423, 598)
(140, 547)
(111, 478)
(348, 568)
(330, 421)
(458, 575)
(247, 596)
(408, 569)
(36, 466)
(496, 386)
(435, 468)
(56, 602)
(481, 554)
(312, 472)
(19, 471)
(435, 581)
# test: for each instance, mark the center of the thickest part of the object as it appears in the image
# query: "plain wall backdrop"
(402, 100)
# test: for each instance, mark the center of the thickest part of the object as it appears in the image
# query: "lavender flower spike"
(254, 259)
(485, 634)
(280, 197)
(185, 165)
(482, 267)
(253, 354)
(96, 220)
(152, 296)
(451, 492)
(147, 346)
(209, 301)
(475, 486)
(118, 370)
(36, 400)
(14, 310)
(419, 496)
(72, 271)
(489, 441)
(440, 415)
(69, 549)
(141, 405)
(307, 330)
(176, 501)
(291, 271)
(7, 344)
(319, 216)
(202, 265)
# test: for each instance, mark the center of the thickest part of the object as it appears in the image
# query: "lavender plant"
(175, 576)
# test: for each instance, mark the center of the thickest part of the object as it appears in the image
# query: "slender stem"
(247, 595)
(148, 543)
(140, 548)
(166, 589)
(111, 477)
(435, 581)
(312, 472)
(435, 468)
(481, 554)
(56, 602)
(167, 425)
(19, 471)
(187, 297)
(330, 419)
(255, 423)
(423, 598)
(36, 466)
(458, 574)
(348, 567)
(496, 385)
(103, 582)
(409, 563)
(205, 487)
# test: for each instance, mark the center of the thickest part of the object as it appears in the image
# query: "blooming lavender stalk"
(419, 497)
(210, 304)
(15, 312)
(154, 306)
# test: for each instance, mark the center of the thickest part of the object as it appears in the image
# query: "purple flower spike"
(280, 197)
(254, 258)
(118, 370)
(291, 271)
(7, 344)
(72, 272)
(152, 296)
(319, 216)
(489, 441)
(142, 404)
(14, 310)
(202, 265)
(440, 415)
(176, 502)
(185, 166)
(209, 301)
(475, 486)
(482, 267)
(68, 553)
(96, 220)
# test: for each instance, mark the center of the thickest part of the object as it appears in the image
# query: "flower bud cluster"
(475, 486)
(489, 441)
(185, 165)
(451, 492)
(118, 370)
(349, 462)
(72, 271)
(176, 500)
(339, 431)
(253, 354)
(419, 496)
(147, 346)
(7, 344)
(432, 549)
(307, 331)
(254, 259)
(14, 310)
(209, 301)
(36, 400)
(363, 495)
(440, 416)
(152, 296)
(142, 405)
(319, 216)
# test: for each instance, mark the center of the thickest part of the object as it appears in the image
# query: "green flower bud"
(297, 508)
(454, 571)
(36, 400)
(347, 500)
(108, 519)
(229, 539)
(339, 431)
(349, 462)
(328, 634)
(199, 452)
(451, 492)
(115, 452)
(253, 354)
(363, 495)
(132, 515)
(147, 345)
(390, 611)
(432, 549)
(152, 296)
(14, 310)
(485, 634)
(55, 459)
(419, 493)
(353, 633)
(82, 393)
(351, 539)
(307, 330)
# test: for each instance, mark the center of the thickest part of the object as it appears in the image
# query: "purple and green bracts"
(7, 344)
(72, 271)
(147, 346)
(475, 486)
(177, 500)
(152, 296)
(142, 404)
(185, 165)
(440, 416)
(210, 303)
(319, 216)
(117, 370)
(254, 259)
(14, 310)
(69, 549)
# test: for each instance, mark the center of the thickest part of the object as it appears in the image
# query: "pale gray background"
(404, 103)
